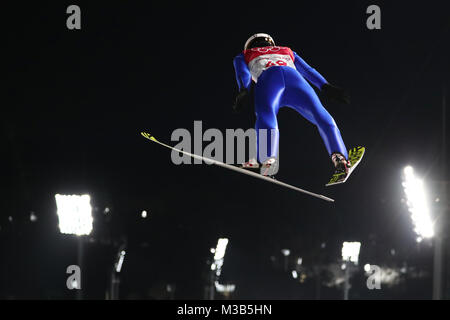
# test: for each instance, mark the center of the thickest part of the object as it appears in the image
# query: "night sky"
(76, 101)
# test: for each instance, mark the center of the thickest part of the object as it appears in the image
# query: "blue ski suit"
(280, 76)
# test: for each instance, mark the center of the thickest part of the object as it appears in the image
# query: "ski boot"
(269, 167)
(344, 167)
(251, 164)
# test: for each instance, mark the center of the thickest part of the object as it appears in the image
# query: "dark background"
(76, 101)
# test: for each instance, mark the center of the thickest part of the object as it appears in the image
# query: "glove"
(242, 100)
(335, 93)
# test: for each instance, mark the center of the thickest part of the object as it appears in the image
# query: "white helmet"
(259, 40)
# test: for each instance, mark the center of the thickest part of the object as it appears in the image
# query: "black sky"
(77, 100)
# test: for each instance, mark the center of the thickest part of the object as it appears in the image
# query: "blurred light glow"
(294, 274)
(303, 277)
(74, 214)
(367, 267)
(224, 288)
(120, 262)
(144, 214)
(33, 217)
(387, 276)
(286, 252)
(350, 251)
(417, 204)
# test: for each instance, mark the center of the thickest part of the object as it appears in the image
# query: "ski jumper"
(279, 74)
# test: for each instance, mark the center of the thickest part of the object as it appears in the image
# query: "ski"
(237, 169)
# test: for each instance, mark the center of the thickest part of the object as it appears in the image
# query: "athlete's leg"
(300, 96)
(268, 92)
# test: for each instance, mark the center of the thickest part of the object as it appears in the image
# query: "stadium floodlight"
(417, 204)
(350, 255)
(350, 251)
(219, 253)
(216, 267)
(120, 261)
(74, 214)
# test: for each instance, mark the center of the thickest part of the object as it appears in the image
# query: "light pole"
(437, 264)
(423, 225)
(216, 265)
(442, 225)
(350, 256)
(286, 253)
(75, 218)
(115, 272)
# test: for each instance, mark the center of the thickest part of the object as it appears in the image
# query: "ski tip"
(148, 136)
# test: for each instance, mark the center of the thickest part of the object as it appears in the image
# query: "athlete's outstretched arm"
(308, 72)
(243, 76)
(330, 91)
